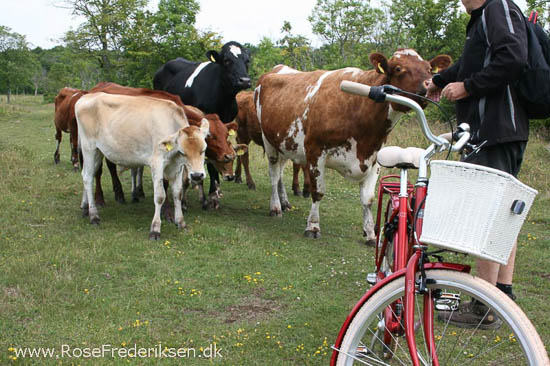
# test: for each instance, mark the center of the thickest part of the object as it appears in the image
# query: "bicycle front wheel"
(509, 340)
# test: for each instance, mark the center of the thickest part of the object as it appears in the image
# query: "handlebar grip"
(355, 88)
(447, 136)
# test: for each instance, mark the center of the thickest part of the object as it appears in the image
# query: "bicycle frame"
(408, 251)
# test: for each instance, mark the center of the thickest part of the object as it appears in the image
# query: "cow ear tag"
(212, 58)
(240, 152)
(381, 69)
(435, 70)
(232, 133)
(169, 146)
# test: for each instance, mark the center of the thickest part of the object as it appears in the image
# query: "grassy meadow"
(249, 283)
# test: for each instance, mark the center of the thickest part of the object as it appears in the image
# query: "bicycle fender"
(375, 288)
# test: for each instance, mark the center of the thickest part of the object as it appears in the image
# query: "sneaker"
(471, 314)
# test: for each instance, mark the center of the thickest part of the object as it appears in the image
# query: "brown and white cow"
(250, 130)
(65, 121)
(134, 131)
(305, 117)
(219, 150)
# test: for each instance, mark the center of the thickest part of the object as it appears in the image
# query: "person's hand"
(433, 91)
(455, 91)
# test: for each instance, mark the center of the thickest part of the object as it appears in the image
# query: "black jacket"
(494, 56)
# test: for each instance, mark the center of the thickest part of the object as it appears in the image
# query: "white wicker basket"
(468, 209)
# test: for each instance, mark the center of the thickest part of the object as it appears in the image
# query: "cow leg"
(74, 149)
(159, 197)
(317, 175)
(99, 197)
(117, 185)
(367, 187)
(295, 179)
(274, 162)
(92, 160)
(283, 198)
(167, 211)
(246, 164)
(135, 196)
(186, 185)
(177, 195)
(238, 178)
(58, 137)
(307, 182)
(202, 196)
(214, 192)
(140, 192)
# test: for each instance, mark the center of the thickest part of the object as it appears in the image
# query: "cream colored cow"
(134, 131)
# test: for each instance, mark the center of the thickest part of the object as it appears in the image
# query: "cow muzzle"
(197, 177)
(244, 83)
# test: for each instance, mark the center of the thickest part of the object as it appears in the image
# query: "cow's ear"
(232, 128)
(380, 62)
(240, 149)
(214, 56)
(440, 63)
(205, 127)
(171, 142)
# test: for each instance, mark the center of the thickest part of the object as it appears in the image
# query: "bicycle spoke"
(423, 333)
(471, 335)
(386, 347)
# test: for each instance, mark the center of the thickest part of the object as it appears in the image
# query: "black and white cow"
(210, 86)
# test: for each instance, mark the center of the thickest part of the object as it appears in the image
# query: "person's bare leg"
(487, 270)
(506, 273)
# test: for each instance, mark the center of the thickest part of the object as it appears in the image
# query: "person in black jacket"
(494, 57)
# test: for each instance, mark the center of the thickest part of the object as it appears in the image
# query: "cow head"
(220, 150)
(234, 60)
(408, 71)
(190, 142)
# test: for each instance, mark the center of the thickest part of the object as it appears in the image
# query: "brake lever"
(474, 149)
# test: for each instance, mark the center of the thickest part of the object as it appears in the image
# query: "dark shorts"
(506, 157)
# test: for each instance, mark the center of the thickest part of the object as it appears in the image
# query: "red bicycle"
(396, 321)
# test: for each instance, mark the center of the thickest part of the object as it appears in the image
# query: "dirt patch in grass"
(251, 308)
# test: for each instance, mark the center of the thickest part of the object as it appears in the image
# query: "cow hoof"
(56, 158)
(305, 193)
(205, 205)
(94, 221)
(182, 225)
(75, 169)
(238, 180)
(120, 198)
(251, 186)
(371, 242)
(85, 212)
(100, 202)
(285, 206)
(312, 234)
(297, 192)
(135, 199)
(154, 235)
(140, 193)
(275, 213)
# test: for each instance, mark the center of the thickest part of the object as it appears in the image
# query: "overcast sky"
(236, 20)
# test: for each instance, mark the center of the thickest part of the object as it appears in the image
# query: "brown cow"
(250, 130)
(219, 150)
(305, 117)
(65, 121)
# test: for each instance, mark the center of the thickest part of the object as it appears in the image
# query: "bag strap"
(533, 16)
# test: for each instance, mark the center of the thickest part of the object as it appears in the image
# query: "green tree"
(429, 26)
(264, 57)
(101, 36)
(344, 25)
(16, 61)
(296, 49)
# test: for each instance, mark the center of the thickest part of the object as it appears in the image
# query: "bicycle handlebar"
(378, 94)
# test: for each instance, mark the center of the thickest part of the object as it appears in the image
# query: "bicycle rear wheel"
(515, 342)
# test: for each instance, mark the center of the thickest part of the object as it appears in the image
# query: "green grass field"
(237, 278)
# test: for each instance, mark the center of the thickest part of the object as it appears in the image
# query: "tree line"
(124, 42)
